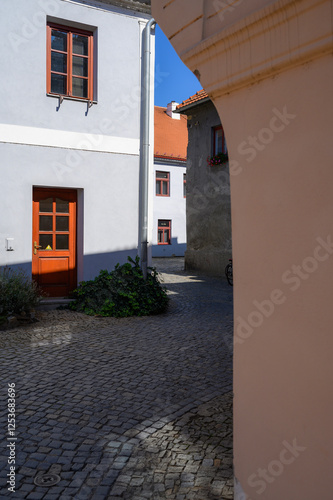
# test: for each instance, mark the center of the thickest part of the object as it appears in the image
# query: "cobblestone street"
(131, 408)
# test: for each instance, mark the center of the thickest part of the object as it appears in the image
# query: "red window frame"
(161, 182)
(216, 149)
(69, 70)
(184, 185)
(164, 232)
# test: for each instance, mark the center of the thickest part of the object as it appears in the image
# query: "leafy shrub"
(18, 293)
(122, 292)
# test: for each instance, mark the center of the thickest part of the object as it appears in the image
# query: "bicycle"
(228, 272)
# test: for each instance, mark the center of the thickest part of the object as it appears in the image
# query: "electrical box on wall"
(9, 244)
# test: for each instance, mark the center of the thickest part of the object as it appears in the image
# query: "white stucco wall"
(94, 150)
(172, 208)
(109, 230)
(23, 59)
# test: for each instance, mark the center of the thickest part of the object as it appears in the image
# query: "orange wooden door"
(54, 240)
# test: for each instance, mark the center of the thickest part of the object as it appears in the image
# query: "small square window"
(162, 184)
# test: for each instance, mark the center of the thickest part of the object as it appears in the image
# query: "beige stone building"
(267, 66)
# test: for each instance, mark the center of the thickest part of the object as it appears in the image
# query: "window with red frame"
(164, 232)
(219, 142)
(69, 62)
(162, 184)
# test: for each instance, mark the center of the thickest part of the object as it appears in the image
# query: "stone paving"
(130, 408)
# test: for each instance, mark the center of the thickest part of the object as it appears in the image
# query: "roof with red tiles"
(171, 136)
(194, 99)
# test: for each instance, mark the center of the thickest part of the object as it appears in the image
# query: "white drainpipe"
(145, 145)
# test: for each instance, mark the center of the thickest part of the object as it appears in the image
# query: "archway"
(267, 66)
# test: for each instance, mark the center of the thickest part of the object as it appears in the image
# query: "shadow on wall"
(88, 267)
(175, 249)
(209, 261)
(93, 264)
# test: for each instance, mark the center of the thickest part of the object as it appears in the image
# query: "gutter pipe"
(145, 145)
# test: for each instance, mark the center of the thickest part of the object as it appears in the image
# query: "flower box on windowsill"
(218, 159)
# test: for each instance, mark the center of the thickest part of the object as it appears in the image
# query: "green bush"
(122, 292)
(18, 293)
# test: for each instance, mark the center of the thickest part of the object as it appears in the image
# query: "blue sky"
(173, 80)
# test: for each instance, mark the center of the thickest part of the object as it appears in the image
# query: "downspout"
(145, 145)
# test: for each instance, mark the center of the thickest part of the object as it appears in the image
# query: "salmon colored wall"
(272, 85)
(281, 215)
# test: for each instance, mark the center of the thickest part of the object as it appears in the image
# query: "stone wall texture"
(208, 197)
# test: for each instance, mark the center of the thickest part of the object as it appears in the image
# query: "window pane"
(218, 141)
(80, 87)
(58, 84)
(45, 240)
(62, 206)
(58, 62)
(62, 223)
(163, 223)
(158, 187)
(166, 236)
(59, 40)
(80, 66)
(62, 241)
(162, 175)
(165, 187)
(160, 236)
(45, 223)
(46, 205)
(80, 45)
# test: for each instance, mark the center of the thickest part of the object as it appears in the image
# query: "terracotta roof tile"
(171, 136)
(199, 96)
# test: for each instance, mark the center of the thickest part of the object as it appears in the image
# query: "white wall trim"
(33, 136)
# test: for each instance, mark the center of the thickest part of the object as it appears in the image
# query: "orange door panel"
(54, 240)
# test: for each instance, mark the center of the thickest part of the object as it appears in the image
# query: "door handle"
(36, 247)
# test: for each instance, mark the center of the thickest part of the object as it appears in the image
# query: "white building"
(169, 205)
(70, 136)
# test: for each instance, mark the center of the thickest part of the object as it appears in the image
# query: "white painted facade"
(90, 147)
(171, 208)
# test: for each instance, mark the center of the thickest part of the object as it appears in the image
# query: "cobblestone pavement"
(131, 408)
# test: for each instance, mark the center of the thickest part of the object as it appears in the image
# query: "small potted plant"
(218, 159)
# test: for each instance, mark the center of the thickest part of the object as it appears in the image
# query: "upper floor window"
(184, 185)
(69, 62)
(164, 232)
(219, 142)
(162, 184)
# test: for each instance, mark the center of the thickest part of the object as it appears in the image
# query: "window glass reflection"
(45, 241)
(45, 223)
(46, 205)
(62, 241)
(59, 41)
(62, 206)
(62, 223)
